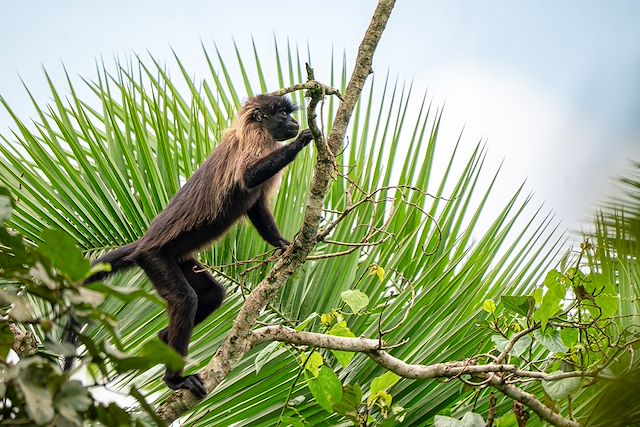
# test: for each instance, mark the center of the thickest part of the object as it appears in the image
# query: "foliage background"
(100, 168)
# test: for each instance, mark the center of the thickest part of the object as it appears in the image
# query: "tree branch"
(438, 370)
(310, 85)
(312, 339)
(450, 370)
(24, 342)
(239, 340)
(531, 402)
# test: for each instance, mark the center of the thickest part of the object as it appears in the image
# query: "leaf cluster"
(33, 387)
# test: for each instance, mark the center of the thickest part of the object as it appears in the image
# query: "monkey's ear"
(258, 115)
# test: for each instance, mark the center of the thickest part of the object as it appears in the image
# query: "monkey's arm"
(268, 166)
(263, 221)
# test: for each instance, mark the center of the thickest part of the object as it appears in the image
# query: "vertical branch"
(238, 342)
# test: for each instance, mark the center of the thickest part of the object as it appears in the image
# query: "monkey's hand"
(305, 137)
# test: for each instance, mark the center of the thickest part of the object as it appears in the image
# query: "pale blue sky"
(552, 86)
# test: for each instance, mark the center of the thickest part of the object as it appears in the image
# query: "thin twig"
(309, 85)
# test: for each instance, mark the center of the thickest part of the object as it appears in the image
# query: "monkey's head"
(273, 113)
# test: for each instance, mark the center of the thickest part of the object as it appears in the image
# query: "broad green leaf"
(550, 339)
(537, 295)
(380, 398)
(123, 362)
(355, 299)
(113, 415)
(7, 204)
(64, 254)
(518, 349)
(489, 306)
(264, 355)
(507, 420)
(558, 390)
(606, 296)
(518, 304)
(343, 357)
(556, 291)
(15, 259)
(326, 388)
(153, 352)
(99, 268)
(350, 402)
(569, 336)
(550, 306)
(576, 275)
(556, 283)
(342, 330)
(313, 363)
(384, 382)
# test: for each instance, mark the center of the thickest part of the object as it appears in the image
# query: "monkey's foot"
(282, 245)
(193, 383)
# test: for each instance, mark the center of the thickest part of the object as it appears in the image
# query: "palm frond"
(101, 169)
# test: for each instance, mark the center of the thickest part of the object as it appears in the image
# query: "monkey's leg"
(263, 221)
(210, 292)
(182, 301)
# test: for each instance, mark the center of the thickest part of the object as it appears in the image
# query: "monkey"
(236, 180)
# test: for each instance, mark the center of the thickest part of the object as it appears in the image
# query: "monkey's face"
(275, 117)
(281, 126)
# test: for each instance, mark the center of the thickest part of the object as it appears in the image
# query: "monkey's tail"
(119, 259)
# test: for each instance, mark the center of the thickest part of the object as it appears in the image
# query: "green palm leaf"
(102, 168)
(617, 239)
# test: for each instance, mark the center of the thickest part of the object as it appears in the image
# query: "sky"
(552, 88)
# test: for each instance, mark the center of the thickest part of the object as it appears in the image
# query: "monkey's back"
(208, 204)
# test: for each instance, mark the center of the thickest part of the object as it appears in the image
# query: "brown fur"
(206, 194)
(236, 180)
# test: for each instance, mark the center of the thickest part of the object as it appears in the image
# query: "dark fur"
(236, 180)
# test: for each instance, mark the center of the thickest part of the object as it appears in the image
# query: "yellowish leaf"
(489, 306)
(378, 271)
